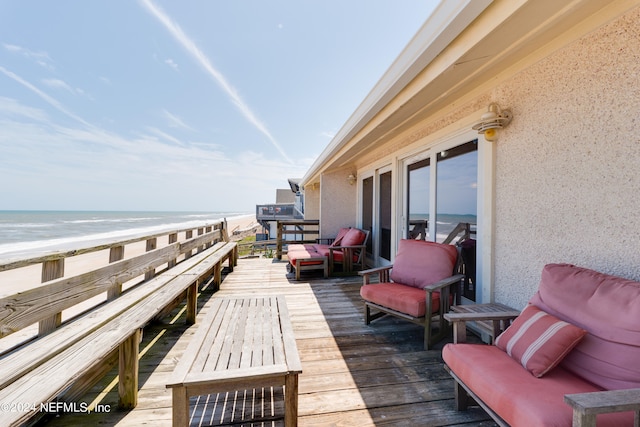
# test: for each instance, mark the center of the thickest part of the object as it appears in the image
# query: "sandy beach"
(17, 280)
(21, 279)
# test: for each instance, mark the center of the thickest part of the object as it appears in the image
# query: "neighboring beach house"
(558, 184)
(288, 206)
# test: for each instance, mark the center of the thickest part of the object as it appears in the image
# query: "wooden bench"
(243, 343)
(76, 352)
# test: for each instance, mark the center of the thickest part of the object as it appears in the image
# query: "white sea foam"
(95, 231)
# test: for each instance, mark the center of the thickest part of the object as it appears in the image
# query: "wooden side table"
(492, 318)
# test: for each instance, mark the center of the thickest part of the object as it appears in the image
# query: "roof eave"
(446, 22)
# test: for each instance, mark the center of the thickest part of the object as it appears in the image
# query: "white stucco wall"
(338, 203)
(568, 167)
(312, 203)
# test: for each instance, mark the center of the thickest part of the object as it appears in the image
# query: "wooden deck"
(353, 374)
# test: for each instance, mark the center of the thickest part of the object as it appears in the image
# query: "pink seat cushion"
(300, 247)
(302, 255)
(338, 255)
(406, 299)
(419, 263)
(608, 307)
(517, 396)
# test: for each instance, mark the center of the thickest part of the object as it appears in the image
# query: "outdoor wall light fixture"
(495, 118)
(352, 178)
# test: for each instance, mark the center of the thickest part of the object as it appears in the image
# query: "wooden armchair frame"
(347, 255)
(444, 286)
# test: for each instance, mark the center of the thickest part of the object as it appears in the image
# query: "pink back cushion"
(354, 237)
(340, 236)
(419, 263)
(608, 307)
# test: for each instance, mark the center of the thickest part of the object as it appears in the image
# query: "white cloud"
(175, 121)
(11, 107)
(50, 100)
(57, 84)
(165, 135)
(170, 62)
(328, 134)
(190, 46)
(40, 58)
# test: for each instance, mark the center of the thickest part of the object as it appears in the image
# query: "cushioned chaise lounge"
(347, 249)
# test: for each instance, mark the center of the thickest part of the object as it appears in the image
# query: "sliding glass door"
(384, 216)
(441, 199)
(376, 214)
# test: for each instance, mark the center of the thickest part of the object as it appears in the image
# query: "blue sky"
(181, 105)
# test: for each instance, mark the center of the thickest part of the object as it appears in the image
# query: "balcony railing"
(277, 211)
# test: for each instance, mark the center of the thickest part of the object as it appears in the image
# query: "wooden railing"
(308, 230)
(463, 228)
(161, 251)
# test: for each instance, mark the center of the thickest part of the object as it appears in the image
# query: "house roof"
(463, 48)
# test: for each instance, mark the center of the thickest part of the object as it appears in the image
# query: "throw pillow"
(538, 340)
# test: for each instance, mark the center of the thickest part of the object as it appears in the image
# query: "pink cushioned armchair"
(418, 287)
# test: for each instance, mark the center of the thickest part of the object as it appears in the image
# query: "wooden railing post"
(209, 229)
(51, 269)
(173, 237)
(188, 235)
(279, 241)
(151, 245)
(116, 253)
(200, 233)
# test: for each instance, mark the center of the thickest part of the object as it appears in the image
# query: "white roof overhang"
(461, 47)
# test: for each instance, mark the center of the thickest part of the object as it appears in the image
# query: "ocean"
(445, 223)
(34, 232)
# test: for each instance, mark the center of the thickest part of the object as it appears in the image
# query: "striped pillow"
(538, 340)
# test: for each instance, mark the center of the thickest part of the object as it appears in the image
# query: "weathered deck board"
(353, 374)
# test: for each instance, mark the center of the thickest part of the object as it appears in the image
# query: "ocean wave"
(113, 220)
(25, 225)
(39, 247)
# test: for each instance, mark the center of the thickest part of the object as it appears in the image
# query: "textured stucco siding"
(568, 167)
(338, 205)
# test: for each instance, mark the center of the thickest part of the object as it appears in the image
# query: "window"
(441, 202)
(384, 214)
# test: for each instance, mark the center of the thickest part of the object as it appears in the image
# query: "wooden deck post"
(151, 245)
(52, 269)
(188, 235)
(279, 241)
(128, 371)
(116, 253)
(173, 237)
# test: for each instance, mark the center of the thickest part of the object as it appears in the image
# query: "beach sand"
(22, 279)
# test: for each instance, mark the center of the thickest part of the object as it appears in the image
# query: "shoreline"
(22, 278)
(10, 252)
